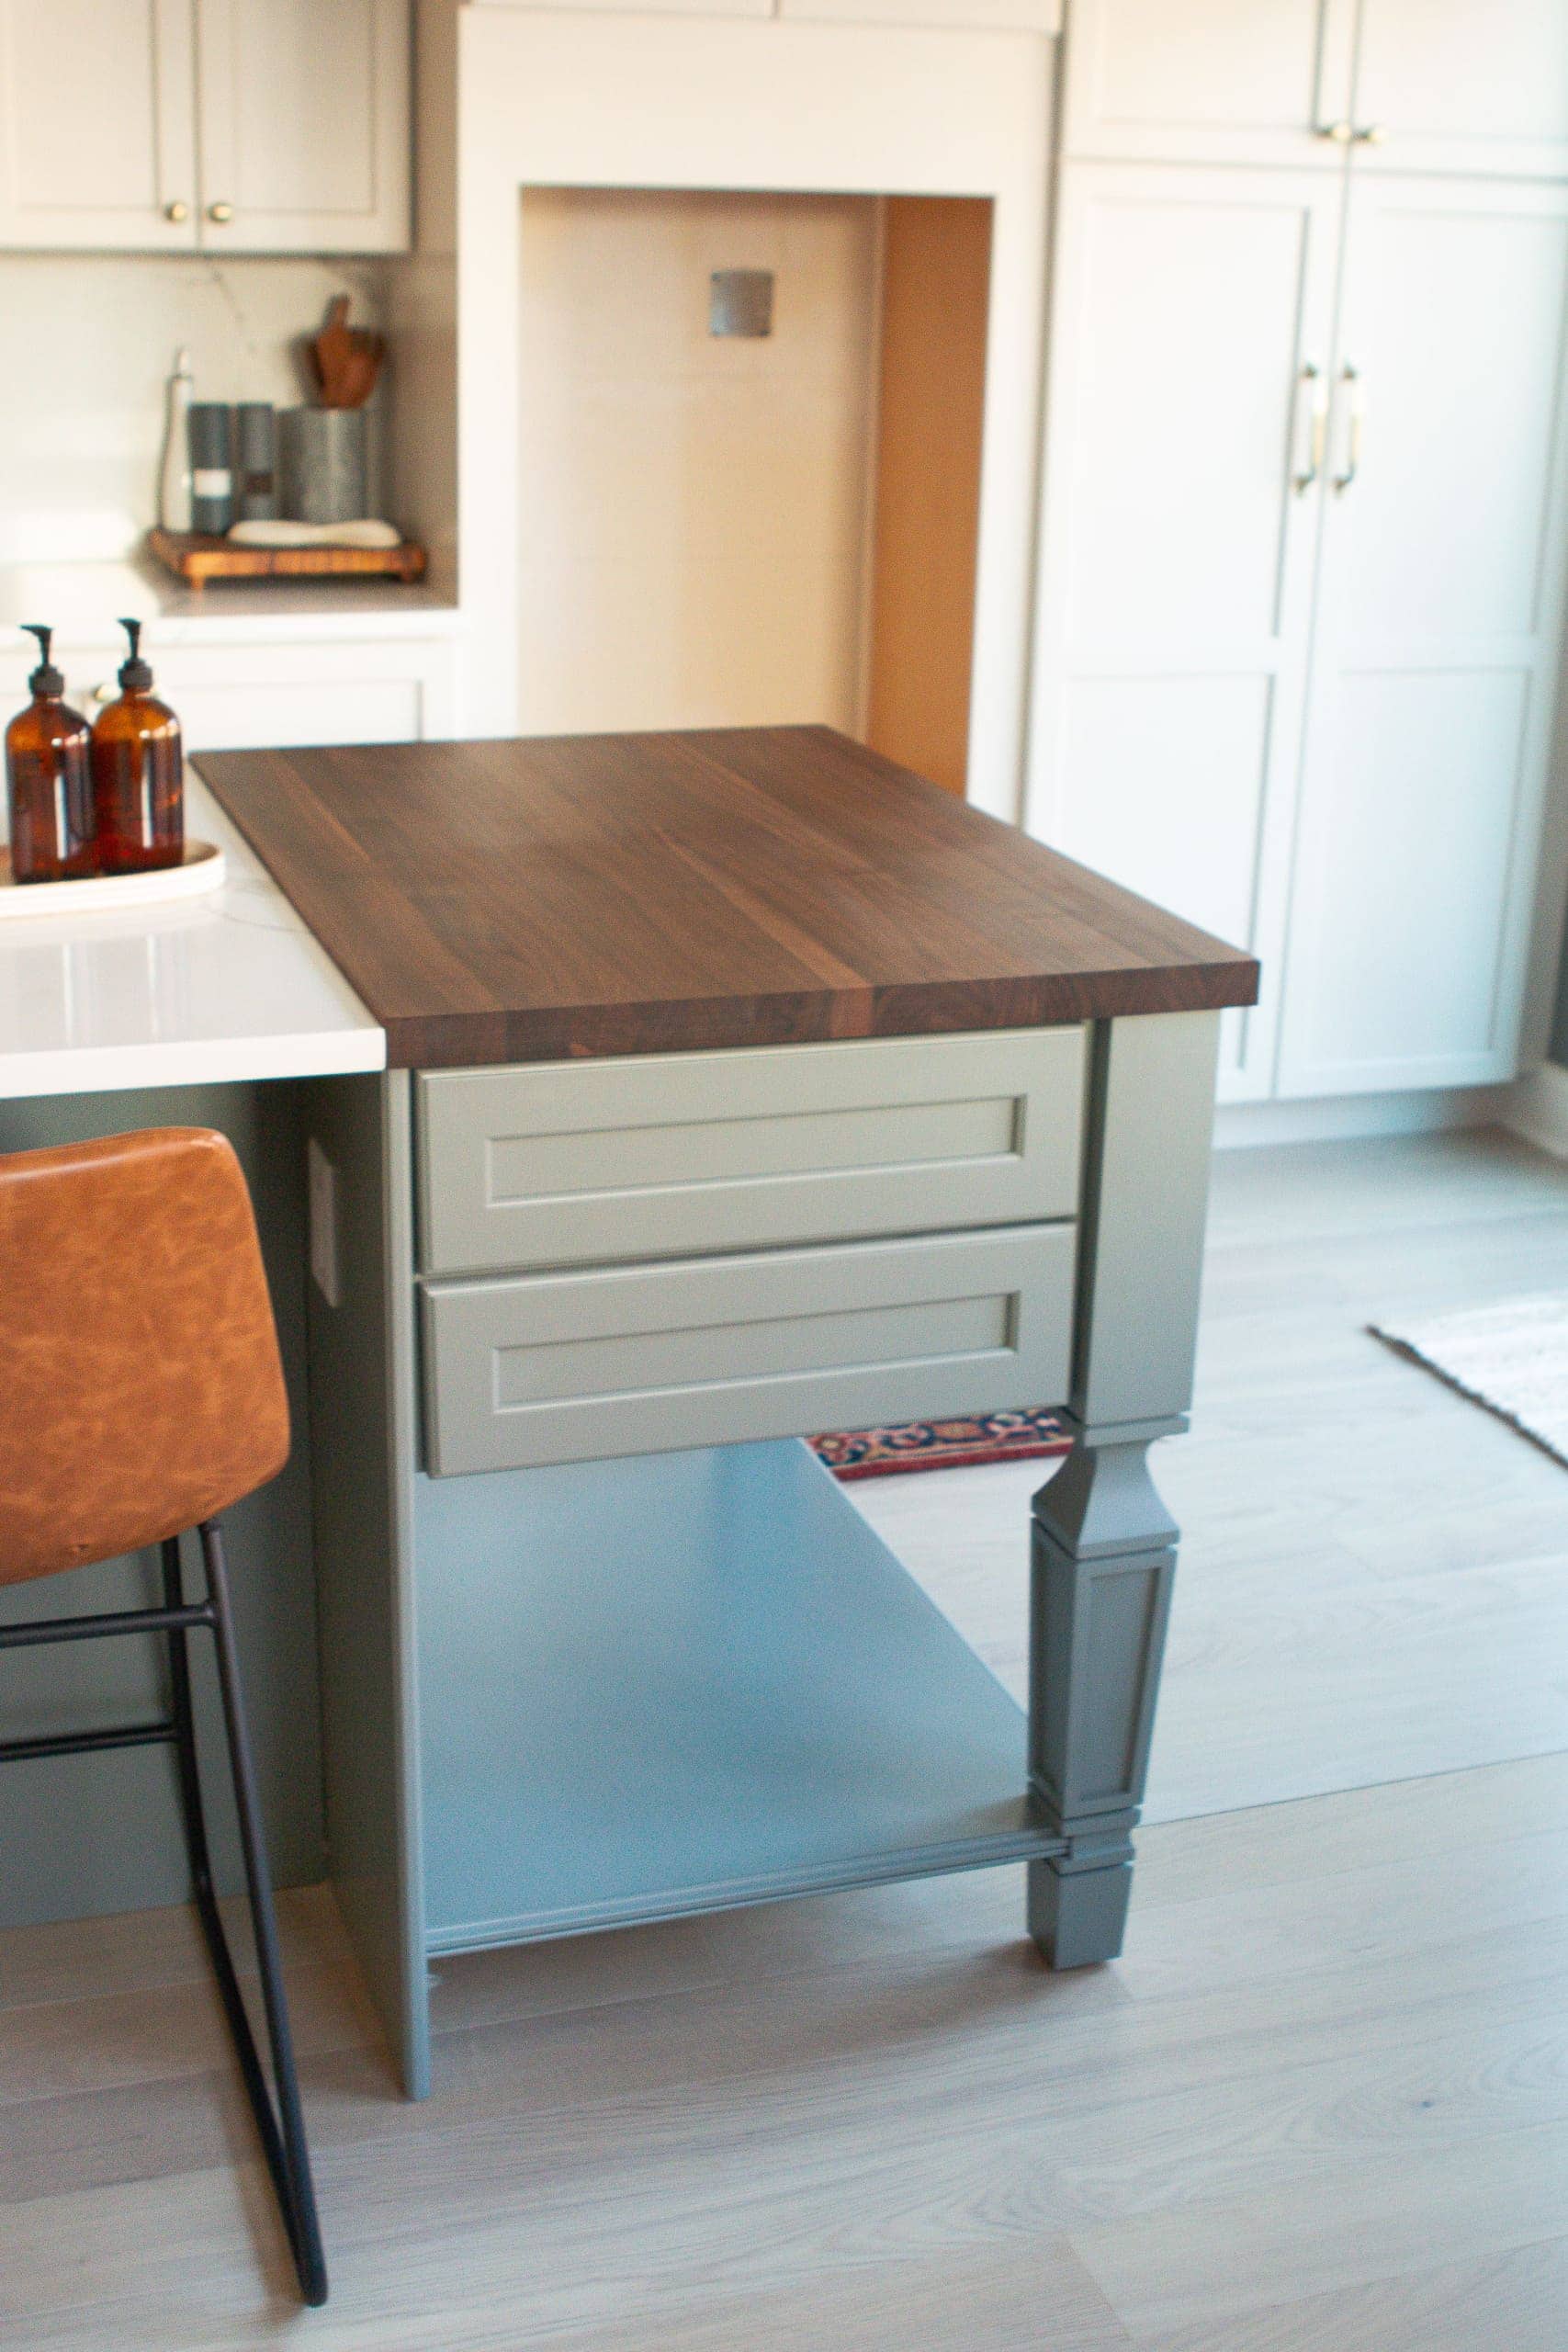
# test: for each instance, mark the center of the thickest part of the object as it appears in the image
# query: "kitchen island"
(738, 1085)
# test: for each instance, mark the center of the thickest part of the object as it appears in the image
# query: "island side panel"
(1104, 1545)
(363, 1442)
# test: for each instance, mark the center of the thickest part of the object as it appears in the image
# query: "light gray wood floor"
(1321, 2106)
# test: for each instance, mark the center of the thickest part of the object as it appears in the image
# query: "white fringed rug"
(1513, 1358)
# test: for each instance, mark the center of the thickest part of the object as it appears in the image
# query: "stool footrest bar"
(86, 1743)
(112, 1621)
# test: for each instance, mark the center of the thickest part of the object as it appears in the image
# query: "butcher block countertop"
(515, 902)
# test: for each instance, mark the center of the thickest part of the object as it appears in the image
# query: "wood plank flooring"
(1320, 2106)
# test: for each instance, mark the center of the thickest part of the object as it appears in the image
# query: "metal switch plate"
(740, 301)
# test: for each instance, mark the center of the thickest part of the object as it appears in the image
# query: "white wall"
(90, 341)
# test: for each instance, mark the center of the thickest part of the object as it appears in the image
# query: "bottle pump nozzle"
(134, 673)
(46, 679)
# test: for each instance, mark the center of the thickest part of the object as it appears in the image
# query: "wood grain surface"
(505, 901)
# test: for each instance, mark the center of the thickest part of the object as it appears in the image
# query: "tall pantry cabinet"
(1305, 506)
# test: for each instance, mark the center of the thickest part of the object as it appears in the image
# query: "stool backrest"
(140, 1390)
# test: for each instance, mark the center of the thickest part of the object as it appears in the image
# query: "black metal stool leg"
(281, 2129)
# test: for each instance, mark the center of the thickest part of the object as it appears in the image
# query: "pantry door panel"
(1190, 354)
(1437, 648)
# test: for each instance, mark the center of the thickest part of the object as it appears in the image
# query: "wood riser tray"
(196, 559)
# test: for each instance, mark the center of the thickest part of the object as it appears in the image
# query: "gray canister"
(210, 429)
(255, 469)
(326, 470)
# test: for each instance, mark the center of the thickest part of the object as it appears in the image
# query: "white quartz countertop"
(83, 600)
(233, 985)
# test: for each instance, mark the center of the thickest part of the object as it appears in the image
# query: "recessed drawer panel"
(707, 1352)
(582, 1163)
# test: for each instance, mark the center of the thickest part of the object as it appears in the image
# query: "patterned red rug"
(1026, 1436)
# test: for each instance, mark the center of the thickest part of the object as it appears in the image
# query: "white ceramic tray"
(202, 870)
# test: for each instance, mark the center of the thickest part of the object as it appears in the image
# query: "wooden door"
(1210, 81)
(1179, 527)
(305, 126)
(1439, 617)
(1463, 86)
(98, 140)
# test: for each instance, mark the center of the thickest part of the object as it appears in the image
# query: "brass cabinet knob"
(178, 211)
(1370, 134)
(1340, 133)
(221, 213)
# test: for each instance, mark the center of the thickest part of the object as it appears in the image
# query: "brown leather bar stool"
(140, 1395)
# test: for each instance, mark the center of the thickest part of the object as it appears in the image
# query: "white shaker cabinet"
(98, 125)
(304, 116)
(1210, 81)
(1463, 86)
(1439, 611)
(968, 16)
(234, 126)
(1415, 86)
(1191, 340)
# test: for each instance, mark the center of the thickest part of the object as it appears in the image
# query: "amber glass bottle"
(48, 780)
(138, 773)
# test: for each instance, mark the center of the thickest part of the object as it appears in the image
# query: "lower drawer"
(646, 1359)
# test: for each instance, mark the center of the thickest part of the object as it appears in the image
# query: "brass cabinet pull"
(1311, 386)
(1355, 414)
(221, 213)
(177, 212)
(1340, 133)
(1370, 134)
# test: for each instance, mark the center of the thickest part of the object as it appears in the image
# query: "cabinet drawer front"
(665, 1155)
(644, 1359)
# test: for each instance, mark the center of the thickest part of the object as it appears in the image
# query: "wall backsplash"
(94, 335)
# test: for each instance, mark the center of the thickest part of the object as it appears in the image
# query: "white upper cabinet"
(1413, 86)
(1464, 86)
(304, 116)
(1439, 609)
(98, 130)
(1210, 81)
(240, 126)
(967, 16)
(1191, 339)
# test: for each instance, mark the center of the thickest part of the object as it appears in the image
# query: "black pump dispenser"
(135, 674)
(47, 780)
(137, 794)
(46, 679)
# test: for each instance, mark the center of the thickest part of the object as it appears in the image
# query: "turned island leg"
(1104, 1558)
(1104, 1545)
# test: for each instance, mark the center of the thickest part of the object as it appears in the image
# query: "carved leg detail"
(1103, 1565)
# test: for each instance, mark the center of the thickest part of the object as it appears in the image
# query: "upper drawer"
(581, 1163)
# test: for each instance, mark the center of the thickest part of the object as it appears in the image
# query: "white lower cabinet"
(247, 697)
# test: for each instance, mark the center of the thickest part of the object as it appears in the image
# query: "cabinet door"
(967, 16)
(1210, 81)
(1464, 86)
(1177, 550)
(1438, 612)
(98, 146)
(238, 697)
(305, 131)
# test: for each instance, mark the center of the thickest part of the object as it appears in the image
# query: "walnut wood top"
(630, 894)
